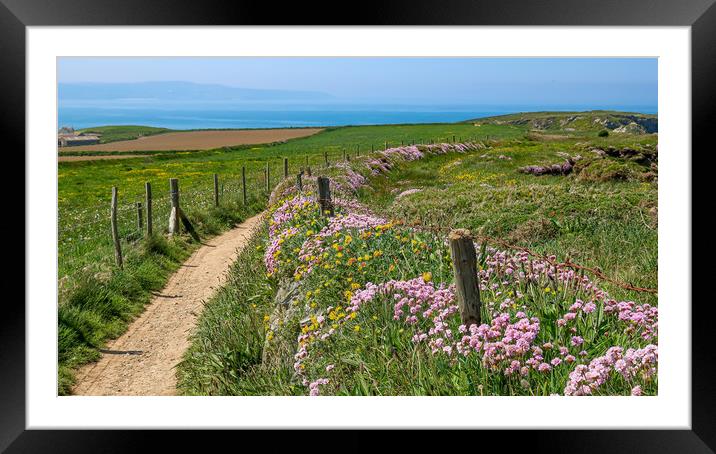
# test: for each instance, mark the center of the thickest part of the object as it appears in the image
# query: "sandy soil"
(142, 361)
(198, 140)
(61, 158)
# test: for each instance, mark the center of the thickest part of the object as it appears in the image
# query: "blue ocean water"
(188, 116)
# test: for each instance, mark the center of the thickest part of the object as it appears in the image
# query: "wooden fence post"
(140, 223)
(308, 171)
(358, 150)
(216, 190)
(285, 167)
(174, 214)
(372, 148)
(299, 181)
(345, 155)
(148, 203)
(243, 183)
(115, 230)
(325, 157)
(307, 164)
(464, 262)
(268, 178)
(386, 145)
(324, 196)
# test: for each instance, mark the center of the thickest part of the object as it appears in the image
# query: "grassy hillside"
(128, 132)
(595, 120)
(363, 303)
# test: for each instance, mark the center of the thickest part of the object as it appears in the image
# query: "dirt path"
(142, 361)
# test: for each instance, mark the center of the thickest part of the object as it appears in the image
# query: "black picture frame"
(700, 15)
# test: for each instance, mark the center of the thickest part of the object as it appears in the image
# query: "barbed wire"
(419, 226)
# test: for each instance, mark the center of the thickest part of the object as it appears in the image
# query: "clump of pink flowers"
(632, 365)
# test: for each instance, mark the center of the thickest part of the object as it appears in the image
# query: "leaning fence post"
(115, 231)
(243, 183)
(285, 167)
(140, 223)
(324, 196)
(464, 262)
(148, 203)
(174, 214)
(216, 190)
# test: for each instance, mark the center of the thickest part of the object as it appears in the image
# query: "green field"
(602, 215)
(593, 219)
(128, 132)
(96, 301)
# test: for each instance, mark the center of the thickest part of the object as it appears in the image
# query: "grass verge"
(98, 305)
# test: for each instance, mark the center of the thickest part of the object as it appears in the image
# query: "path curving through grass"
(142, 361)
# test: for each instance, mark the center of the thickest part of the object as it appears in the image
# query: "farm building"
(67, 137)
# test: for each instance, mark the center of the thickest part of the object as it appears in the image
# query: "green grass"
(229, 337)
(609, 224)
(88, 278)
(593, 220)
(128, 132)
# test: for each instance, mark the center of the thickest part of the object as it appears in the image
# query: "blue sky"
(484, 81)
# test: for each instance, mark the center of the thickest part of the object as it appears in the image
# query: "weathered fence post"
(372, 148)
(115, 231)
(386, 145)
(324, 196)
(453, 139)
(464, 262)
(401, 143)
(325, 157)
(216, 190)
(148, 203)
(140, 223)
(308, 171)
(243, 183)
(268, 178)
(299, 181)
(307, 164)
(285, 167)
(358, 150)
(345, 156)
(174, 213)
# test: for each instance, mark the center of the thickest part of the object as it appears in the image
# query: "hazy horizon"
(193, 92)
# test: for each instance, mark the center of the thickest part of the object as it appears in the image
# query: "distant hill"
(634, 123)
(180, 91)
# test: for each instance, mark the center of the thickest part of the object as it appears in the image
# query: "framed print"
(430, 217)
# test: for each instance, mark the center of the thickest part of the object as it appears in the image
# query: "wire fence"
(85, 233)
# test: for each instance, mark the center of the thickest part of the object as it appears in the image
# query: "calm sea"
(191, 117)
